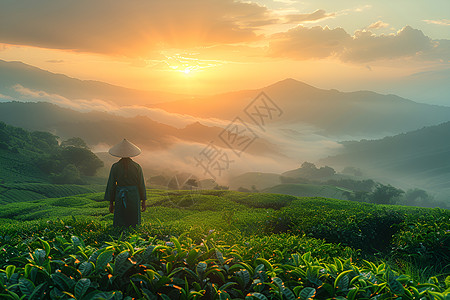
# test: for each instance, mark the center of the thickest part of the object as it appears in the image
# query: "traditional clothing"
(126, 186)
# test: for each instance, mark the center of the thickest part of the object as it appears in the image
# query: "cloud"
(302, 43)
(440, 51)
(55, 61)
(318, 15)
(309, 42)
(82, 105)
(183, 156)
(4, 47)
(378, 25)
(5, 98)
(443, 22)
(365, 46)
(295, 143)
(121, 28)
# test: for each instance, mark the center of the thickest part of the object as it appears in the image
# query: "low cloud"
(181, 157)
(4, 47)
(55, 61)
(6, 98)
(302, 43)
(295, 143)
(443, 22)
(378, 25)
(156, 114)
(318, 15)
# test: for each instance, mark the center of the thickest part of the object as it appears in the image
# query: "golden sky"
(213, 46)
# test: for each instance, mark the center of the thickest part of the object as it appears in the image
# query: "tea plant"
(68, 268)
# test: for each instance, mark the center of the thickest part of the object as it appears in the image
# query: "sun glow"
(189, 63)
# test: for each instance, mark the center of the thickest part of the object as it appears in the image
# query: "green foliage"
(75, 142)
(366, 185)
(385, 194)
(142, 268)
(24, 154)
(21, 192)
(424, 239)
(86, 161)
(69, 174)
(309, 190)
(223, 244)
(310, 171)
(260, 200)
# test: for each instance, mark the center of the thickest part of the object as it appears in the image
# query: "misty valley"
(283, 192)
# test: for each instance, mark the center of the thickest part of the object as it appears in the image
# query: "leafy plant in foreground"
(134, 267)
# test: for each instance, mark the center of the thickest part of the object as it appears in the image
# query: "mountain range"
(329, 112)
(103, 128)
(14, 74)
(308, 119)
(420, 157)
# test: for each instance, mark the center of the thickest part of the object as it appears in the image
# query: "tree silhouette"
(385, 194)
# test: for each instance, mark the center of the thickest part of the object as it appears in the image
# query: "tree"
(75, 142)
(221, 187)
(87, 162)
(417, 197)
(385, 194)
(191, 183)
(4, 134)
(352, 171)
(70, 174)
(325, 172)
(308, 166)
(157, 180)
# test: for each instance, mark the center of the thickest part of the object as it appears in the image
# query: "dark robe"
(126, 188)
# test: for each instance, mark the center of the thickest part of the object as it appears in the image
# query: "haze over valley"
(311, 124)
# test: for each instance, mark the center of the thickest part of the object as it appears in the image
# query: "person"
(126, 186)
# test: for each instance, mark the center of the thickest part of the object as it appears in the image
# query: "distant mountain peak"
(290, 84)
(196, 124)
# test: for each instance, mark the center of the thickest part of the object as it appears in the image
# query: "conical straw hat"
(125, 149)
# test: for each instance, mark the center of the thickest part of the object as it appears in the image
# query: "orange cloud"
(318, 15)
(130, 29)
(302, 43)
(378, 25)
(306, 43)
(444, 22)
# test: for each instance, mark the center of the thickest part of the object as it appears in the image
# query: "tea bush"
(177, 268)
(248, 231)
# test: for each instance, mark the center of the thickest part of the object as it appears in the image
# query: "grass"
(23, 192)
(246, 226)
(308, 190)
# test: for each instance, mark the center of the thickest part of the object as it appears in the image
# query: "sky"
(204, 47)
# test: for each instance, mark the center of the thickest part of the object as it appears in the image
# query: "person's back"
(126, 186)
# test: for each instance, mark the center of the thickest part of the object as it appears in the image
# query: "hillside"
(329, 112)
(258, 179)
(308, 190)
(35, 166)
(103, 128)
(421, 157)
(223, 241)
(18, 73)
(361, 113)
(249, 214)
